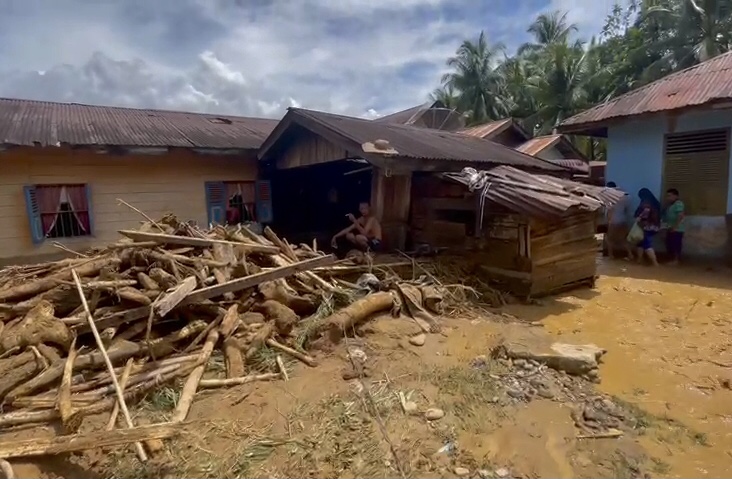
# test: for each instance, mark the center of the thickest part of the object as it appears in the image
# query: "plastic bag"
(635, 235)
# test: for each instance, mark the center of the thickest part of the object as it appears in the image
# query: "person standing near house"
(618, 225)
(673, 219)
(647, 216)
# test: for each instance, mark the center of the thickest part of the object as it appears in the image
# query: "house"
(434, 115)
(674, 133)
(318, 162)
(64, 166)
(527, 233)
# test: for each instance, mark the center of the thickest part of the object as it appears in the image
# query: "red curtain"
(49, 203)
(78, 202)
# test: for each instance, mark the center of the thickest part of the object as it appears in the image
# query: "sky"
(254, 57)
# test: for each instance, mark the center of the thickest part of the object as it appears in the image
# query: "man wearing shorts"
(364, 232)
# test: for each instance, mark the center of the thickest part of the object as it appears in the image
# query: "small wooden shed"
(528, 234)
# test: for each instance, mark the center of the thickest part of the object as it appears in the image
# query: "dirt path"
(662, 328)
(658, 334)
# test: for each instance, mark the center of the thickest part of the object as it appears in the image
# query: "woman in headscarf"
(648, 217)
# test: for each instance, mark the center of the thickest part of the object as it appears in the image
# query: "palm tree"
(546, 30)
(476, 81)
(558, 84)
(447, 96)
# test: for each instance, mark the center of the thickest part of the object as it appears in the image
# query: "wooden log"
(259, 340)
(64, 391)
(284, 248)
(133, 295)
(233, 358)
(217, 383)
(256, 279)
(345, 320)
(147, 282)
(309, 360)
(188, 241)
(230, 321)
(163, 278)
(191, 261)
(172, 299)
(37, 286)
(100, 345)
(7, 469)
(189, 389)
(81, 442)
(282, 368)
(117, 283)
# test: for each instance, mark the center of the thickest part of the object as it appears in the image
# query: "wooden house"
(529, 234)
(64, 167)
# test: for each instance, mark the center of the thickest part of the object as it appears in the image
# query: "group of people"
(636, 233)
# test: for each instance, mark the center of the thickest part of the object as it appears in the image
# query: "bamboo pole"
(123, 385)
(191, 386)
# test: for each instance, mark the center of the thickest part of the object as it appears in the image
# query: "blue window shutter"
(89, 209)
(264, 201)
(34, 214)
(216, 202)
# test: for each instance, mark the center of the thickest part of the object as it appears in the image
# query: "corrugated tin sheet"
(706, 82)
(408, 116)
(538, 144)
(536, 195)
(486, 130)
(26, 122)
(423, 143)
(573, 164)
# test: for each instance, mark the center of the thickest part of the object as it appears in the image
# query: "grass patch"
(469, 392)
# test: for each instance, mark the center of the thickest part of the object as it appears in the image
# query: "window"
(697, 164)
(234, 202)
(58, 211)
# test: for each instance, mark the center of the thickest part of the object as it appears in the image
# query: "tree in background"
(556, 76)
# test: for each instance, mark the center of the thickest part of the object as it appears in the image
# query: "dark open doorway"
(312, 202)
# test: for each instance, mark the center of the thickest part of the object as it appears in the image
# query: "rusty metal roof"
(28, 122)
(407, 141)
(538, 144)
(410, 115)
(487, 130)
(705, 83)
(536, 195)
(573, 164)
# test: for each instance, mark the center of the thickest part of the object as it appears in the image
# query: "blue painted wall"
(635, 160)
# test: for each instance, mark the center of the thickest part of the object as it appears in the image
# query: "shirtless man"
(364, 232)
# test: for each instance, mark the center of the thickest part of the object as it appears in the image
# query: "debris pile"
(163, 299)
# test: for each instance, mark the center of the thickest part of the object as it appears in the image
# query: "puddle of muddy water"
(661, 327)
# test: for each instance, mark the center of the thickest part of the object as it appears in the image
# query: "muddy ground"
(664, 384)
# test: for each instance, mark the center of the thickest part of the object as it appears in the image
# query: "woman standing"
(647, 216)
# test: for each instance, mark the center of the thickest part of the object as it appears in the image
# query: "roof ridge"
(129, 108)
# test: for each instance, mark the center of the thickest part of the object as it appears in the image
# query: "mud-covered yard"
(449, 408)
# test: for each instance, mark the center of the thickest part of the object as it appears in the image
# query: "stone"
(515, 393)
(502, 472)
(495, 399)
(484, 473)
(418, 340)
(546, 393)
(433, 414)
(528, 366)
(593, 374)
(519, 362)
(528, 344)
(461, 471)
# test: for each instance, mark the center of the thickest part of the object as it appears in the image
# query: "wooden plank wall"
(390, 202)
(309, 149)
(171, 183)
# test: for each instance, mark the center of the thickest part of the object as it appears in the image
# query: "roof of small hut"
(537, 195)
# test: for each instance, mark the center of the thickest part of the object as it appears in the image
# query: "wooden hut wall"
(563, 253)
(308, 149)
(390, 201)
(442, 212)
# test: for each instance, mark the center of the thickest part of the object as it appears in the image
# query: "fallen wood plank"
(309, 360)
(191, 386)
(173, 299)
(256, 279)
(81, 442)
(217, 383)
(189, 241)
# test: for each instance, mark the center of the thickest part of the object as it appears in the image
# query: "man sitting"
(364, 232)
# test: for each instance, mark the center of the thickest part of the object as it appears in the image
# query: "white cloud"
(249, 57)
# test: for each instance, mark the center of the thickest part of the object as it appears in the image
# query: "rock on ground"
(527, 344)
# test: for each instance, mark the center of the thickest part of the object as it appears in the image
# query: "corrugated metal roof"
(573, 164)
(704, 83)
(408, 116)
(414, 142)
(536, 195)
(28, 122)
(486, 130)
(538, 144)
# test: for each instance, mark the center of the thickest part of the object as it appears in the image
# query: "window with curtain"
(241, 202)
(63, 210)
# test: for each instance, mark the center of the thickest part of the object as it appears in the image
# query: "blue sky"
(253, 57)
